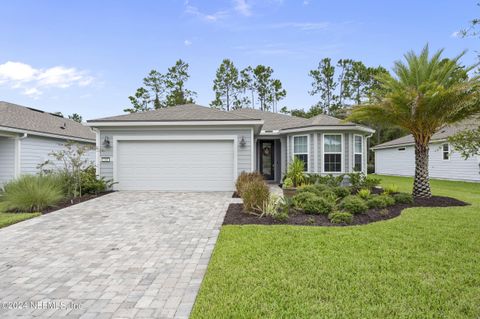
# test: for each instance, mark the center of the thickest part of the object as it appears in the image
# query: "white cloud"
(212, 17)
(23, 76)
(306, 2)
(187, 43)
(456, 34)
(242, 7)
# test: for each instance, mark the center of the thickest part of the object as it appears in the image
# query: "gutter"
(63, 137)
(379, 147)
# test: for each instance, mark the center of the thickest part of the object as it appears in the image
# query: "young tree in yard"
(76, 117)
(467, 142)
(140, 101)
(226, 86)
(324, 84)
(425, 94)
(176, 78)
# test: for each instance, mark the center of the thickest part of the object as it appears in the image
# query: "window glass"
(332, 143)
(332, 163)
(358, 163)
(358, 144)
(300, 144)
(446, 151)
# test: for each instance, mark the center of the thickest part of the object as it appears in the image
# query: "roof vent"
(64, 126)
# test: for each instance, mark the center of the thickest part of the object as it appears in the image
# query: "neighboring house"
(397, 157)
(27, 136)
(195, 148)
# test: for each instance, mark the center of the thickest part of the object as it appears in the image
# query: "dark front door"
(267, 159)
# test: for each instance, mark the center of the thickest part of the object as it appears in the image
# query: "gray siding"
(7, 159)
(244, 153)
(35, 150)
(392, 161)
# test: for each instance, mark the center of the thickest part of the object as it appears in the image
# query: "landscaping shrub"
(245, 178)
(364, 194)
(370, 182)
(317, 205)
(390, 189)
(270, 206)
(353, 204)
(316, 189)
(403, 198)
(32, 193)
(287, 183)
(376, 202)
(329, 195)
(340, 218)
(300, 198)
(341, 192)
(91, 184)
(389, 200)
(254, 194)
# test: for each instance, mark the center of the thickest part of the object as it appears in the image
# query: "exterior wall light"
(106, 142)
(243, 143)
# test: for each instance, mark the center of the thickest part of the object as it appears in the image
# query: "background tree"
(262, 79)
(175, 80)
(345, 74)
(140, 101)
(277, 93)
(324, 84)
(467, 142)
(246, 84)
(155, 84)
(226, 86)
(425, 94)
(76, 117)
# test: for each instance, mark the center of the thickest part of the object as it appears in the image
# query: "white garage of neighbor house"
(28, 135)
(195, 148)
(397, 157)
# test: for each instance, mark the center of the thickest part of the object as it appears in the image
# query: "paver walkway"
(123, 255)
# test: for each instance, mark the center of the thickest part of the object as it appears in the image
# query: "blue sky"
(89, 56)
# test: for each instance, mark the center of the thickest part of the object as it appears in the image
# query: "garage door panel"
(175, 165)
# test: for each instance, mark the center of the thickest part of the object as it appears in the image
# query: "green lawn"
(7, 219)
(423, 264)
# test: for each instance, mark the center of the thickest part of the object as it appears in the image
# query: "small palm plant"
(296, 172)
(426, 94)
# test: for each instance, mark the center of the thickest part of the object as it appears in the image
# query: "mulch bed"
(73, 201)
(236, 216)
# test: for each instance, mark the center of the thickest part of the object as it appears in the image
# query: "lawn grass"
(7, 219)
(423, 264)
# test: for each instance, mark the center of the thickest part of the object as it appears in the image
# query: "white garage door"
(175, 165)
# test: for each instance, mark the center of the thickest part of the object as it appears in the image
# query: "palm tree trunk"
(421, 184)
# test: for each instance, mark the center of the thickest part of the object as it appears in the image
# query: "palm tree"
(425, 94)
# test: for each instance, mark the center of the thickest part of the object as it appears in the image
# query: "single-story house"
(195, 148)
(27, 136)
(397, 157)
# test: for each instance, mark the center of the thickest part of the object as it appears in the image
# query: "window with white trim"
(446, 151)
(332, 153)
(358, 153)
(300, 149)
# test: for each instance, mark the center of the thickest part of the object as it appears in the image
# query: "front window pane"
(358, 163)
(332, 163)
(300, 144)
(333, 143)
(358, 144)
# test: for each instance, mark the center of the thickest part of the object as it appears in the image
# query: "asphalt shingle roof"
(20, 117)
(186, 112)
(440, 135)
(273, 121)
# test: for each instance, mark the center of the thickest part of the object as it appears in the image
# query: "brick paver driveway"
(123, 255)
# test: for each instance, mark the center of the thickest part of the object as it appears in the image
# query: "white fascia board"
(329, 128)
(405, 144)
(173, 123)
(62, 137)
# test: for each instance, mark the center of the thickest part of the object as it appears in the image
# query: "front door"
(267, 159)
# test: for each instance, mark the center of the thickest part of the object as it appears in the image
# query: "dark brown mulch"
(236, 216)
(73, 201)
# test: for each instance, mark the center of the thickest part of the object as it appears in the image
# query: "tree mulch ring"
(237, 216)
(73, 201)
